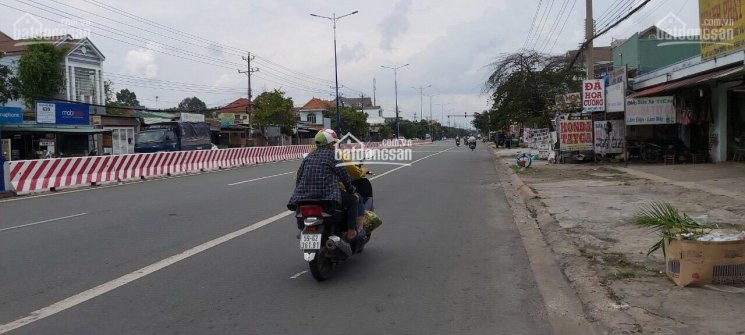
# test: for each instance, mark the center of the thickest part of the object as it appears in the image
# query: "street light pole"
(395, 87)
(333, 20)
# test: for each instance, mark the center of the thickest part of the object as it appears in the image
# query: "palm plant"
(670, 223)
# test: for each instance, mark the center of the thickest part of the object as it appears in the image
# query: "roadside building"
(63, 127)
(235, 126)
(707, 94)
(311, 119)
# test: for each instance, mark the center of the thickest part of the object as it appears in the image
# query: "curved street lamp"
(333, 20)
(395, 85)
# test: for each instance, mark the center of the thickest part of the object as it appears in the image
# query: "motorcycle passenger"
(319, 176)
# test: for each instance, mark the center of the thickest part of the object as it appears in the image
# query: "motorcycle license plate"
(310, 241)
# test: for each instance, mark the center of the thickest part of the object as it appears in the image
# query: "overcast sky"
(449, 44)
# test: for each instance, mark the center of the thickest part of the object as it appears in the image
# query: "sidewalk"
(584, 211)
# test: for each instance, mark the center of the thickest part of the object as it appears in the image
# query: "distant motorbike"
(472, 145)
(457, 143)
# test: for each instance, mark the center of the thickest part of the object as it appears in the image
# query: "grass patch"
(611, 294)
(620, 275)
(592, 256)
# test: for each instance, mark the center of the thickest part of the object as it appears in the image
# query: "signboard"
(541, 140)
(722, 27)
(609, 136)
(62, 113)
(593, 95)
(46, 142)
(11, 115)
(565, 102)
(191, 117)
(616, 91)
(576, 135)
(652, 110)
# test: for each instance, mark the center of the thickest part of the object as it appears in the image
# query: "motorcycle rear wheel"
(321, 267)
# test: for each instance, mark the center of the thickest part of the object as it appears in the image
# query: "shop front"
(32, 141)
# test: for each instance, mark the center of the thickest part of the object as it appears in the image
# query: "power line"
(556, 39)
(532, 24)
(194, 57)
(179, 32)
(584, 44)
(555, 25)
(201, 57)
(614, 16)
(546, 13)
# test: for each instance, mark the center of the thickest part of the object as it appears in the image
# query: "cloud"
(395, 24)
(141, 62)
(353, 53)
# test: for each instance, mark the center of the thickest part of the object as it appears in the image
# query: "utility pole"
(249, 105)
(421, 99)
(395, 87)
(589, 33)
(375, 103)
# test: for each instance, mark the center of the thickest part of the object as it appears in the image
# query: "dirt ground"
(584, 211)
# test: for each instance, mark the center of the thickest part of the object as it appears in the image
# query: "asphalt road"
(203, 255)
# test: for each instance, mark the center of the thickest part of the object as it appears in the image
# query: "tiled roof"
(237, 106)
(316, 103)
(10, 46)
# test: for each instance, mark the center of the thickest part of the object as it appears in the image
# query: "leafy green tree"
(194, 105)
(352, 121)
(107, 94)
(523, 87)
(127, 98)
(8, 85)
(386, 131)
(274, 109)
(40, 73)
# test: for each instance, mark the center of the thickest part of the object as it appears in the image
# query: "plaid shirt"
(318, 177)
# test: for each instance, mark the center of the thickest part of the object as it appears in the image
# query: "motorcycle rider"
(472, 140)
(319, 177)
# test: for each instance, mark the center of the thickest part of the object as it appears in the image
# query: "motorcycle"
(457, 143)
(322, 223)
(472, 145)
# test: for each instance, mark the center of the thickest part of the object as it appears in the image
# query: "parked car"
(174, 136)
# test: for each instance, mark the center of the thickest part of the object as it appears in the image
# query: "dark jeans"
(350, 204)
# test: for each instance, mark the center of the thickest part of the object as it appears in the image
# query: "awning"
(35, 129)
(691, 81)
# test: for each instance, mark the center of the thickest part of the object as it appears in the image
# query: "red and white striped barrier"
(30, 176)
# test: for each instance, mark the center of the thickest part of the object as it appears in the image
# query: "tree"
(386, 131)
(273, 108)
(8, 85)
(108, 95)
(523, 87)
(40, 73)
(127, 98)
(192, 105)
(352, 120)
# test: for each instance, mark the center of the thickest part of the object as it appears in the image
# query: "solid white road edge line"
(44, 221)
(260, 178)
(137, 274)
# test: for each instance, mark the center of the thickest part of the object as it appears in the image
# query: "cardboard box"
(698, 263)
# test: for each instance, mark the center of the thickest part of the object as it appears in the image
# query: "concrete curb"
(565, 309)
